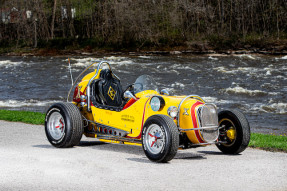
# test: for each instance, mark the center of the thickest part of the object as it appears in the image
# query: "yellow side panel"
(129, 119)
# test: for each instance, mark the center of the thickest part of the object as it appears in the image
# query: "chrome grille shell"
(208, 121)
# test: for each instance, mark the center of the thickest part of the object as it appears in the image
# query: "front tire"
(64, 125)
(235, 132)
(160, 138)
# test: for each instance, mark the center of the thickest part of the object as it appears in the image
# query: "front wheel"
(64, 125)
(234, 132)
(160, 138)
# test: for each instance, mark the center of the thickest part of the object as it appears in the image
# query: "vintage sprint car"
(142, 115)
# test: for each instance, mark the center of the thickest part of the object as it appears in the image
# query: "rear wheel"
(234, 132)
(160, 138)
(64, 125)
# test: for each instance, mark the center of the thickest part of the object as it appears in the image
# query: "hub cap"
(228, 133)
(56, 125)
(154, 139)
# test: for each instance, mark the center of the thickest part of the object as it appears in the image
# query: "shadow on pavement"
(188, 155)
(137, 150)
(82, 144)
(140, 160)
(217, 153)
(48, 146)
(90, 143)
(122, 148)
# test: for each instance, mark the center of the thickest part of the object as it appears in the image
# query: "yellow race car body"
(140, 115)
(135, 112)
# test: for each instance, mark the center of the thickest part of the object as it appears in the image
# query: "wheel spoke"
(155, 139)
(152, 143)
(61, 122)
(150, 135)
(56, 125)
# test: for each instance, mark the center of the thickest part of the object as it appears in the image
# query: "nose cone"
(195, 114)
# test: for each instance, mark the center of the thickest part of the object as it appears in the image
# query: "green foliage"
(220, 42)
(58, 43)
(269, 142)
(137, 24)
(255, 40)
(23, 116)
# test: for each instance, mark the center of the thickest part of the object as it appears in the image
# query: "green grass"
(268, 142)
(263, 141)
(23, 116)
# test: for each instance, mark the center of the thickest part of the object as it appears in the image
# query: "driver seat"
(109, 89)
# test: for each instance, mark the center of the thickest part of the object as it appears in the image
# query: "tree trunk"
(53, 19)
(35, 34)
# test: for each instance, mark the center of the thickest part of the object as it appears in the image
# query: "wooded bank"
(143, 24)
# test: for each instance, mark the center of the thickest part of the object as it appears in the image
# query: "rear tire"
(160, 138)
(64, 125)
(239, 132)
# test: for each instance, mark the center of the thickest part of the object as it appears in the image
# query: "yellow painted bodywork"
(186, 121)
(133, 118)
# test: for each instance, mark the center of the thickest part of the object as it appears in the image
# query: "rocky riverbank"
(273, 48)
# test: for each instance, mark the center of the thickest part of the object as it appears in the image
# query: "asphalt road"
(29, 162)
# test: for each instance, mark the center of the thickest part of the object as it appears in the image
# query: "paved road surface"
(29, 162)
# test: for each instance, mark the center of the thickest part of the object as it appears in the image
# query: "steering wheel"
(130, 88)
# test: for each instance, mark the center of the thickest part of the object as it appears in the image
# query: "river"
(254, 84)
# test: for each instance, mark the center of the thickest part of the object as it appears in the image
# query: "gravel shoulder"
(29, 162)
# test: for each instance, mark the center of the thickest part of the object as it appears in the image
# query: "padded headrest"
(106, 74)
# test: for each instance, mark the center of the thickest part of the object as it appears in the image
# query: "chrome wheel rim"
(56, 125)
(154, 139)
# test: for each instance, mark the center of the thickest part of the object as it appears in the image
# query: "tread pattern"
(76, 124)
(245, 132)
(172, 131)
(174, 138)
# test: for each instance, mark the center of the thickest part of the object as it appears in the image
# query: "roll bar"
(100, 63)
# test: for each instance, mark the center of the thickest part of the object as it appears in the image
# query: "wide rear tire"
(64, 125)
(235, 131)
(160, 138)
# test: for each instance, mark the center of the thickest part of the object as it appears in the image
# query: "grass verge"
(268, 142)
(257, 140)
(23, 116)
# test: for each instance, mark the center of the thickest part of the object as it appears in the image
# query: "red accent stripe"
(140, 135)
(194, 121)
(78, 100)
(75, 95)
(129, 103)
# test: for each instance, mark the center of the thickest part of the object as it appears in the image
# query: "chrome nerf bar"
(210, 143)
(201, 128)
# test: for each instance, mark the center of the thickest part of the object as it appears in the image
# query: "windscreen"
(144, 82)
